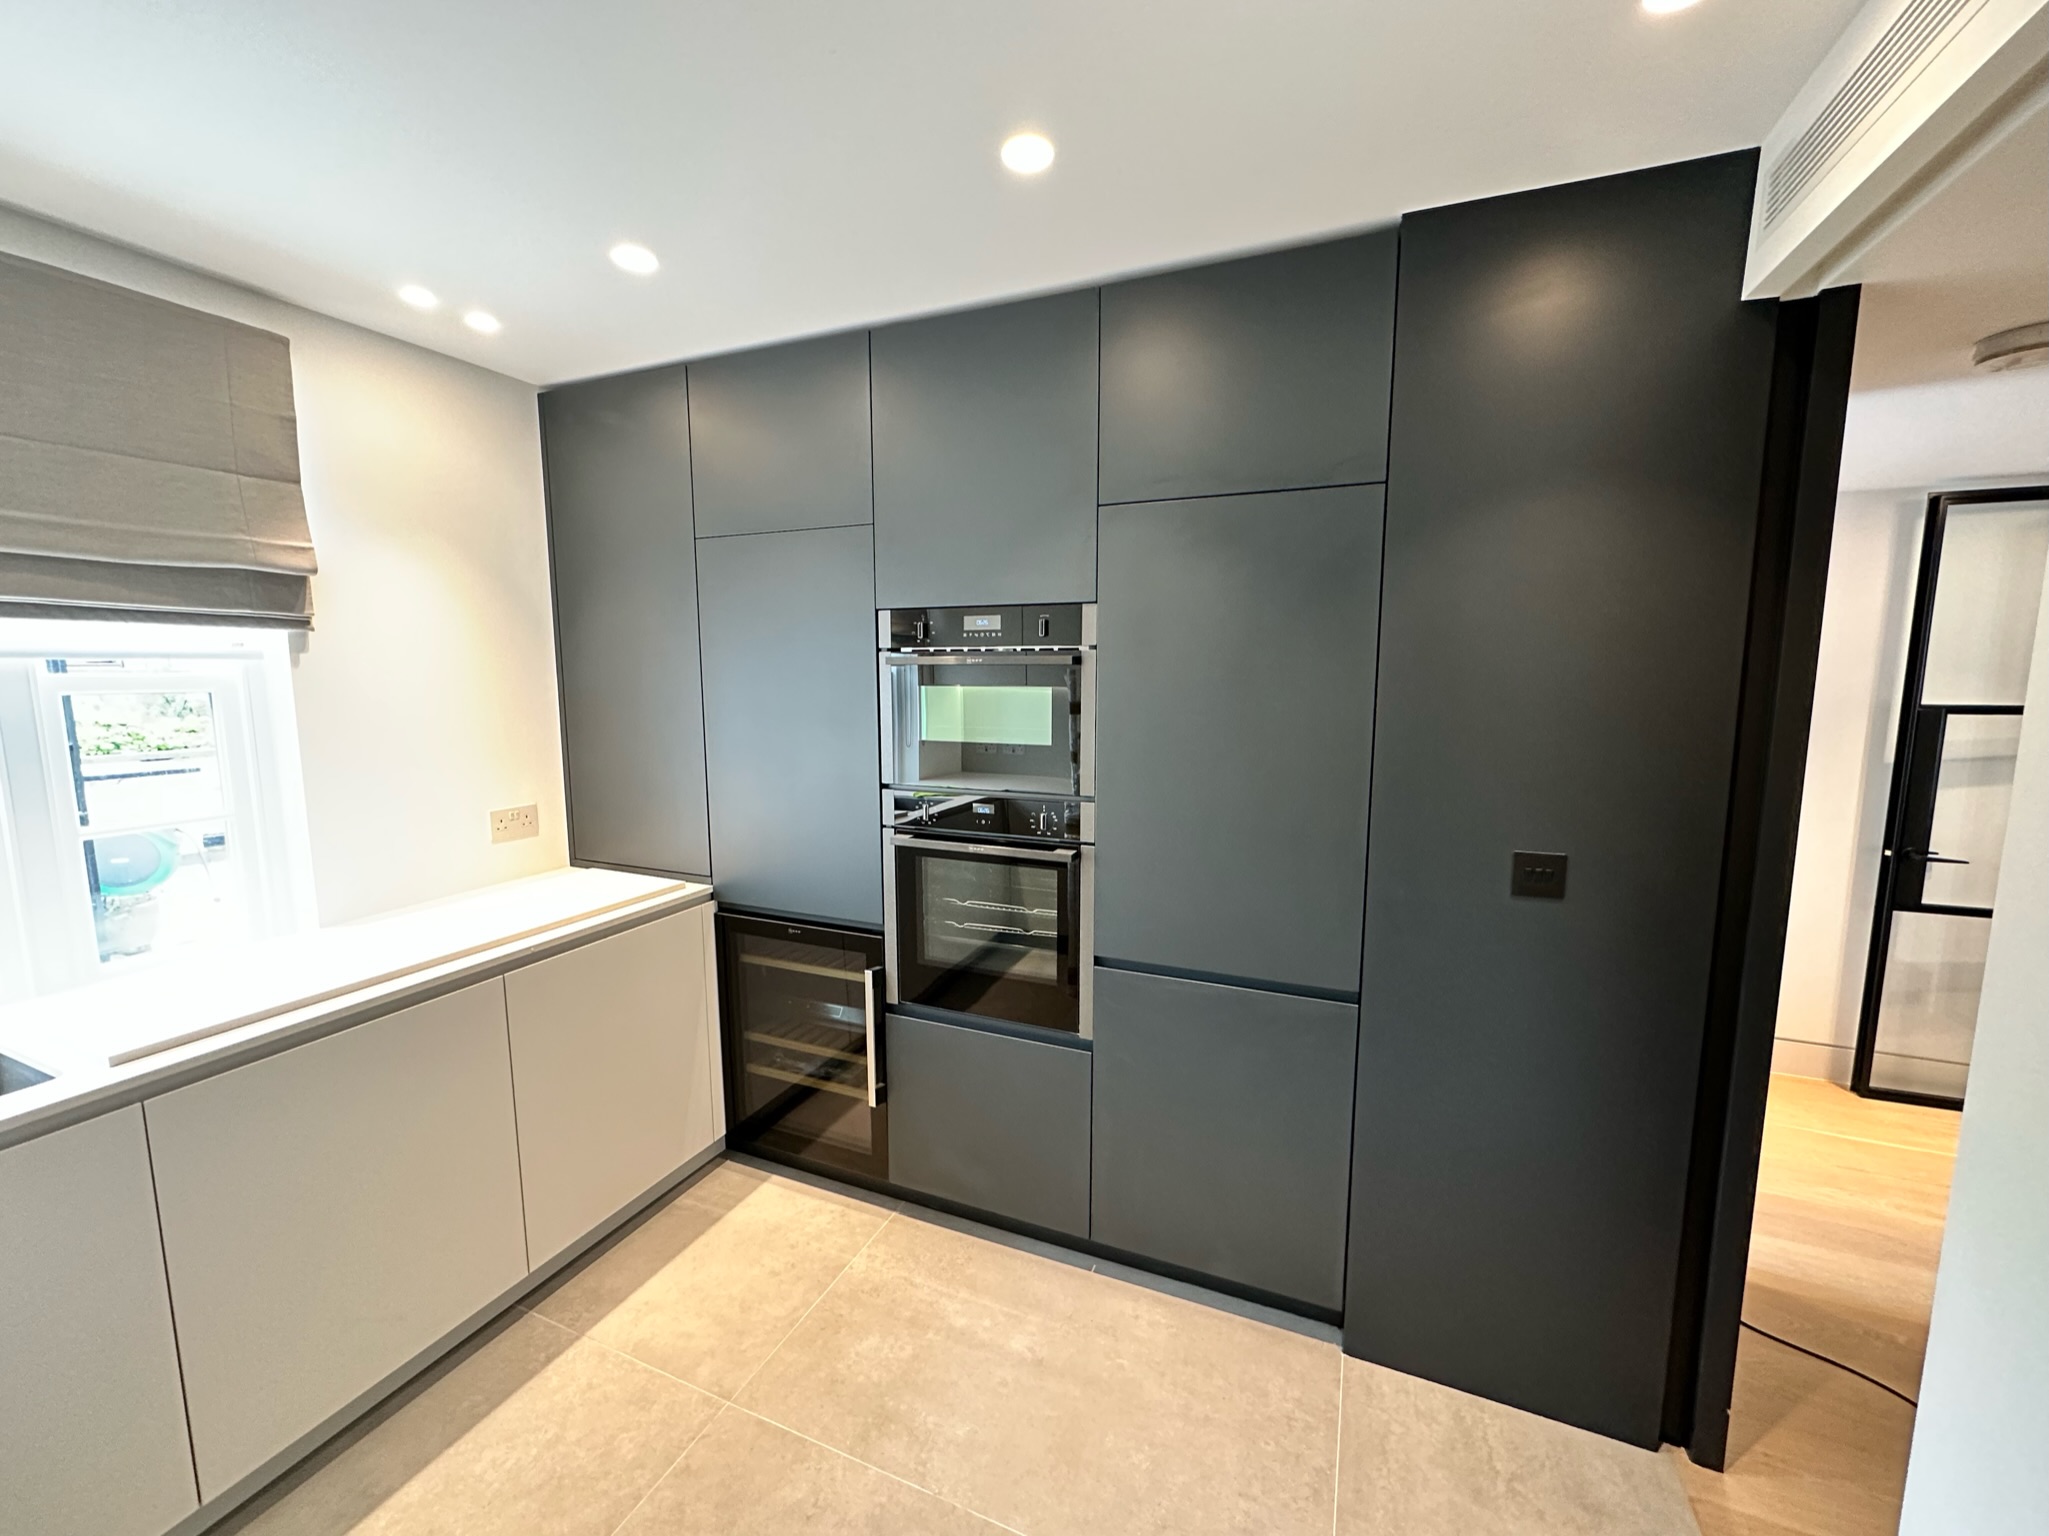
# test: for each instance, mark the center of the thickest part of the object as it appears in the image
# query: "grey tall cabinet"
(1573, 506)
(790, 714)
(786, 573)
(620, 534)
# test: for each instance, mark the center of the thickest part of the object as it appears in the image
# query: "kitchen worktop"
(121, 1039)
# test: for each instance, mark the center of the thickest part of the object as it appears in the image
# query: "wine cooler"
(801, 1010)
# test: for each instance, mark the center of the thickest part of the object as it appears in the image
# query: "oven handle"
(943, 845)
(869, 1014)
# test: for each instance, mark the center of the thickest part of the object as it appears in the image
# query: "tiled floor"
(1851, 1198)
(766, 1355)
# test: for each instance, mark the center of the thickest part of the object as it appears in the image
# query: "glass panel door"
(1980, 591)
(799, 1018)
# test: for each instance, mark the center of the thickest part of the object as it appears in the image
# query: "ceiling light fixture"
(1027, 153)
(1667, 7)
(2025, 346)
(483, 322)
(630, 256)
(418, 297)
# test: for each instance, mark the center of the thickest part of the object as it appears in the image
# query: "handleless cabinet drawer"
(990, 1121)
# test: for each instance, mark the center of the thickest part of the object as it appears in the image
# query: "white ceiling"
(1969, 259)
(803, 165)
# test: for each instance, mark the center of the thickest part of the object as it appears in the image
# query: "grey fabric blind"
(149, 458)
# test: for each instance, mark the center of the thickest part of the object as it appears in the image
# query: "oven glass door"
(988, 930)
(986, 723)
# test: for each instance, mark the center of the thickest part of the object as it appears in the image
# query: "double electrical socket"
(515, 822)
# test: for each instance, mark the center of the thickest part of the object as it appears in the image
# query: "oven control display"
(981, 623)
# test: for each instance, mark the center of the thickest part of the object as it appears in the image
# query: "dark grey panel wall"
(780, 436)
(1234, 725)
(1223, 1126)
(1255, 375)
(985, 455)
(626, 620)
(990, 1121)
(790, 717)
(1580, 408)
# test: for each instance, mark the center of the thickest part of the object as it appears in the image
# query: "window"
(149, 799)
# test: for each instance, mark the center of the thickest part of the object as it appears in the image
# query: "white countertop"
(108, 1040)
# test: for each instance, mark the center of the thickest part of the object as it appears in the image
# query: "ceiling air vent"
(1899, 48)
(1911, 92)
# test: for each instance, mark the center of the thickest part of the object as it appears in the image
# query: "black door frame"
(1789, 582)
(1917, 737)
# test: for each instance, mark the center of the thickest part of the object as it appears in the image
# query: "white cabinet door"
(612, 1062)
(92, 1429)
(331, 1211)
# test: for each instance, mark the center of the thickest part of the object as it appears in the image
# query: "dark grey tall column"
(1580, 406)
(791, 722)
(619, 531)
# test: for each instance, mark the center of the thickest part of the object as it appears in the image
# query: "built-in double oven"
(988, 811)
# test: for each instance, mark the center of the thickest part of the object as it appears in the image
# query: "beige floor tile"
(746, 1477)
(1812, 1450)
(527, 1429)
(1419, 1459)
(1055, 1400)
(709, 1284)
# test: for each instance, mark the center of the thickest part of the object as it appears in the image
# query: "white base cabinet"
(92, 1429)
(613, 1073)
(331, 1211)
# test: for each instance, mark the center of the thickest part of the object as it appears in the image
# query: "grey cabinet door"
(1234, 723)
(1570, 535)
(990, 1121)
(618, 456)
(779, 437)
(1255, 375)
(1223, 1131)
(985, 455)
(790, 719)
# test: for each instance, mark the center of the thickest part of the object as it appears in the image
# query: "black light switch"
(1538, 874)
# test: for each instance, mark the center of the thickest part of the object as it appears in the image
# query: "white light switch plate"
(515, 822)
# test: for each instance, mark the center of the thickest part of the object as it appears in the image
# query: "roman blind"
(149, 459)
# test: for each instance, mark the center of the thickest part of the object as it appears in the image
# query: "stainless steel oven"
(995, 700)
(988, 906)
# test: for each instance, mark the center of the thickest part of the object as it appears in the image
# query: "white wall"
(426, 691)
(1980, 1458)
(1899, 444)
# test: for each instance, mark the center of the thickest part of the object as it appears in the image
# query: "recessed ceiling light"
(1667, 7)
(482, 320)
(418, 297)
(629, 256)
(1027, 153)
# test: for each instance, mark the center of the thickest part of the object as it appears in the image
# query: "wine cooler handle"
(871, 978)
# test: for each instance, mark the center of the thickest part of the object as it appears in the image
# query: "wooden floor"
(1851, 1198)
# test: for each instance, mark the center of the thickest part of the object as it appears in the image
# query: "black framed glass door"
(1971, 637)
(800, 1012)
